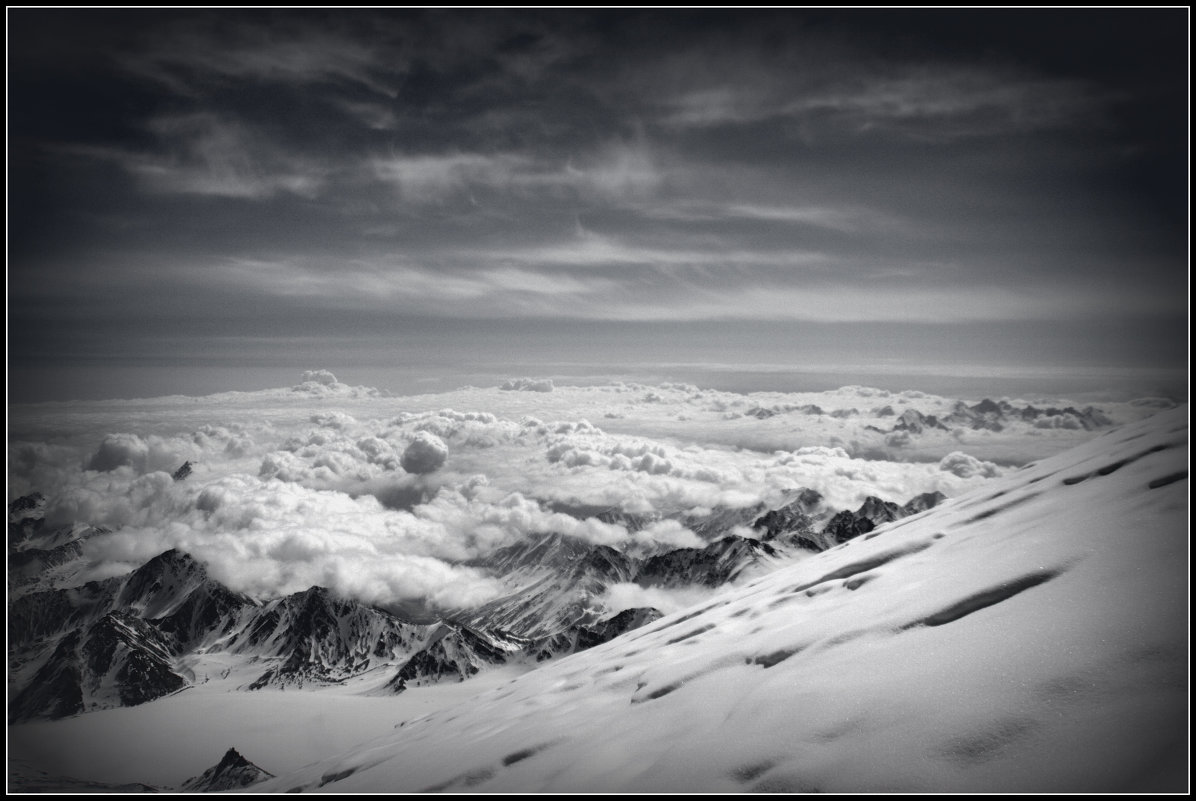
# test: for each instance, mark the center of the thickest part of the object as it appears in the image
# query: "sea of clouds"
(394, 500)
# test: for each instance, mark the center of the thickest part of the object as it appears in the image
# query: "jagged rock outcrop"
(845, 526)
(314, 636)
(26, 518)
(793, 524)
(920, 503)
(716, 564)
(56, 689)
(915, 422)
(127, 661)
(993, 415)
(579, 638)
(849, 525)
(721, 520)
(115, 642)
(27, 567)
(129, 632)
(555, 581)
(120, 660)
(615, 625)
(233, 772)
(455, 652)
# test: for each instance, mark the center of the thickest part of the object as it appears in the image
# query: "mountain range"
(127, 640)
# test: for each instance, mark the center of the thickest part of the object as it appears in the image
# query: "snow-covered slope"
(1030, 635)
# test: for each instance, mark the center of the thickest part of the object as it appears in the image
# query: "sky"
(206, 200)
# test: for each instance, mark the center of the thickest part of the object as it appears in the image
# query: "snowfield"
(1030, 636)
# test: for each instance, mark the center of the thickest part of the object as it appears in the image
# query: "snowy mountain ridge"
(165, 617)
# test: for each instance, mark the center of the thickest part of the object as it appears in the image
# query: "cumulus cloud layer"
(401, 499)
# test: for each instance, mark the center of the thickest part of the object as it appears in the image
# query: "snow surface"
(1029, 636)
(172, 739)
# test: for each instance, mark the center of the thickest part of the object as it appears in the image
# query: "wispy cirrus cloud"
(205, 154)
(939, 103)
(406, 285)
(616, 171)
(197, 55)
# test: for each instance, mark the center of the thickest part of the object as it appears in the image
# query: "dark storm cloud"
(901, 167)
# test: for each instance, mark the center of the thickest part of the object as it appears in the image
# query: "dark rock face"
(915, 422)
(27, 503)
(551, 550)
(716, 564)
(988, 406)
(56, 689)
(793, 524)
(33, 614)
(621, 623)
(233, 772)
(26, 518)
(993, 415)
(553, 580)
(874, 512)
(455, 652)
(121, 660)
(878, 511)
(317, 637)
(920, 503)
(134, 653)
(845, 526)
(721, 520)
(25, 567)
(41, 616)
(579, 638)
(125, 633)
(787, 520)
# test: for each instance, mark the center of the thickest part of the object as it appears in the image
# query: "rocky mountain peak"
(233, 772)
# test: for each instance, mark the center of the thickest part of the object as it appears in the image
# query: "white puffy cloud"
(631, 596)
(667, 534)
(318, 377)
(961, 464)
(117, 498)
(118, 450)
(582, 445)
(150, 453)
(319, 383)
(425, 454)
(269, 538)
